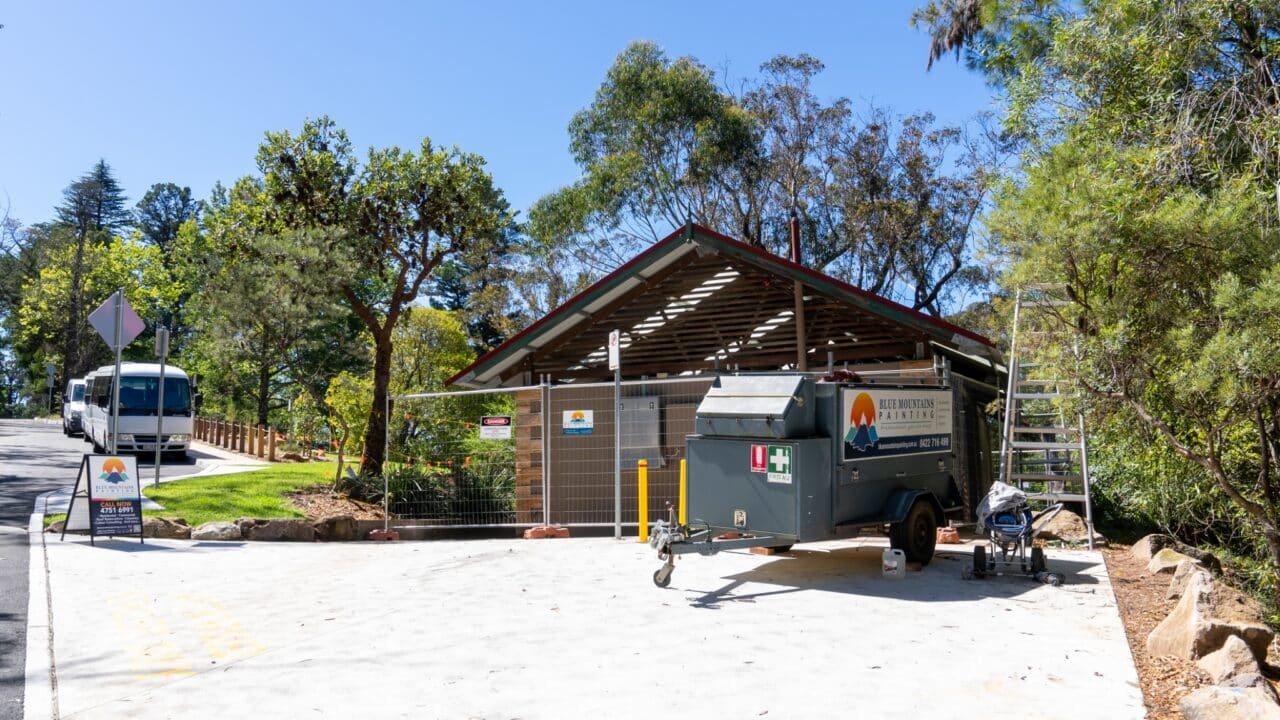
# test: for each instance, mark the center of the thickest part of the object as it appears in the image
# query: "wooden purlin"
(726, 318)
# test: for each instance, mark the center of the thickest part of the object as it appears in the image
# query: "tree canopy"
(1150, 190)
(886, 202)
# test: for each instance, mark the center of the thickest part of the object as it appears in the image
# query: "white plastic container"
(893, 563)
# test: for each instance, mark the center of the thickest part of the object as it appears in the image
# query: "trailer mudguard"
(900, 502)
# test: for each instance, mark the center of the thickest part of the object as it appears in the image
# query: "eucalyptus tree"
(385, 225)
(885, 202)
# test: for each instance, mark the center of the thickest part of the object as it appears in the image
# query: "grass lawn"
(260, 493)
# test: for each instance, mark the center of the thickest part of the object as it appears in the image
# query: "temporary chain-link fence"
(543, 454)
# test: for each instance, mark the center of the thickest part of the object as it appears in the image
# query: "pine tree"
(93, 207)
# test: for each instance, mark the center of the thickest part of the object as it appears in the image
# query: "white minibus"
(139, 402)
(73, 408)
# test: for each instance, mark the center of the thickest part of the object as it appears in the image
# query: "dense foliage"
(1150, 188)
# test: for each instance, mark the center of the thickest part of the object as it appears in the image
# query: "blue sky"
(183, 92)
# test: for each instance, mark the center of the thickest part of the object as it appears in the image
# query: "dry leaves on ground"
(320, 502)
(1141, 599)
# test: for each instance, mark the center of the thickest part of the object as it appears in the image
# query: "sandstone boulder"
(1166, 561)
(1231, 660)
(217, 530)
(1148, 546)
(276, 529)
(1181, 576)
(1230, 703)
(1251, 680)
(336, 528)
(1208, 613)
(173, 529)
(1068, 527)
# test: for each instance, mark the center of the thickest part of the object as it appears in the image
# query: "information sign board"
(110, 485)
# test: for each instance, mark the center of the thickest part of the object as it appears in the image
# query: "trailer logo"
(884, 422)
(862, 422)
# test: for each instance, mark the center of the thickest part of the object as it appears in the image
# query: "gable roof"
(696, 299)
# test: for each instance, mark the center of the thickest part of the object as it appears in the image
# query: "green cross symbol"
(780, 459)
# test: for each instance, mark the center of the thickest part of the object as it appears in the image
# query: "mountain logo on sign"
(862, 423)
(113, 471)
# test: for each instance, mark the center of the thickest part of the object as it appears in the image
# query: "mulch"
(1140, 597)
(320, 502)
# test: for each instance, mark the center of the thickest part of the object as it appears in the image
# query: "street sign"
(104, 321)
(615, 350)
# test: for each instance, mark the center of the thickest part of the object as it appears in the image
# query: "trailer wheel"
(979, 561)
(662, 576)
(1037, 560)
(917, 535)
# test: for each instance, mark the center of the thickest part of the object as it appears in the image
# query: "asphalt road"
(34, 458)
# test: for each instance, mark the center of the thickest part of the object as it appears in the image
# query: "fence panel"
(447, 467)
(655, 416)
(443, 472)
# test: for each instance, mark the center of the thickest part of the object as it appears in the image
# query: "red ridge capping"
(687, 232)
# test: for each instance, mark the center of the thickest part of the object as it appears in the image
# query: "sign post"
(615, 364)
(118, 324)
(48, 381)
(162, 352)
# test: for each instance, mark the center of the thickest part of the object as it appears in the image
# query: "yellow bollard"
(684, 492)
(643, 500)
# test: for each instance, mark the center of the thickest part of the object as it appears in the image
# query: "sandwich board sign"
(109, 489)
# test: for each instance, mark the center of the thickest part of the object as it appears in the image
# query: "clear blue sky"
(182, 92)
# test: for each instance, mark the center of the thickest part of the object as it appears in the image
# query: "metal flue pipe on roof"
(802, 364)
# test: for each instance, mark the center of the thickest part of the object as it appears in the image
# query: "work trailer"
(782, 459)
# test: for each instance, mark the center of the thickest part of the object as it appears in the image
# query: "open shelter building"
(692, 306)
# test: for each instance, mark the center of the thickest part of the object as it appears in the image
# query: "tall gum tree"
(388, 224)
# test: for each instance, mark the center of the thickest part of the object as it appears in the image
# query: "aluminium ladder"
(1042, 452)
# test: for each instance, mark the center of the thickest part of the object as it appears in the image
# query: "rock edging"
(1219, 627)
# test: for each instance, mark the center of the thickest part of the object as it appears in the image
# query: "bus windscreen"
(139, 396)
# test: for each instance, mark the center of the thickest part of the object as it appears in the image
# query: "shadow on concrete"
(129, 545)
(857, 571)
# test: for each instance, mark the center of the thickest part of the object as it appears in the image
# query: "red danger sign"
(759, 458)
(495, 427)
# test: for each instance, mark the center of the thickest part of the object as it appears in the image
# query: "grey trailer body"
(787, 459)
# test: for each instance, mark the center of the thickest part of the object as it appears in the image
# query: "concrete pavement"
(563, 628)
